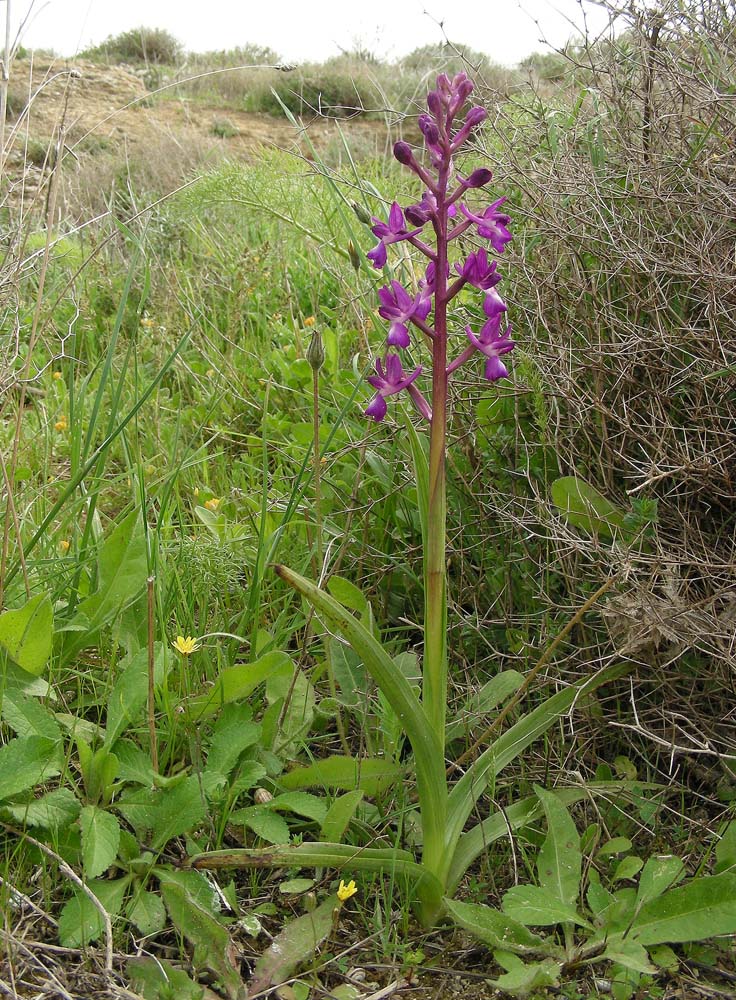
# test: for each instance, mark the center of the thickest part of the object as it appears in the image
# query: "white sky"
(310, 29)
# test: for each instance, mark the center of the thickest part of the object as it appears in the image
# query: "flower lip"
(491, 224)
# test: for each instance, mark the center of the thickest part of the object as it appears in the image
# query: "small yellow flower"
(212, 504)
(61, 424)
(309, 321)
(58, 375)
(185, 646)
(344, 892)
(147, 323)
(64, 545)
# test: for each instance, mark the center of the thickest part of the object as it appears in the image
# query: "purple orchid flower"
(388, 382)
(394, 232)
(426, 209)
(478, 271)
(399, 307)
(491, 224)
(492, 343)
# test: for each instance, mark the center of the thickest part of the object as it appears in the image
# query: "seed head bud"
(361, 213)
(261, 796)
(354, 255)
(316, 351)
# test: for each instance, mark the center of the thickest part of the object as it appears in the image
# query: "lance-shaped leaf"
(559, 862)
(296, 943)
(428, 755)
(497, 930)
(702, 908)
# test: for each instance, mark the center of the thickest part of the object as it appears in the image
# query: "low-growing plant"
(612, 907)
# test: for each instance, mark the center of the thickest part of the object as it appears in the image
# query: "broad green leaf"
(157, 979)
(339, 815)
(129, 695)
(630, 954)
(526, 978)
(624, 981)
(584, 507)
(536, 907)
(27, 717)
(80, 922)
(349, 673)
(100, 840)
(296, 886)
(54, 811)
(598, 897)
(658, 874)
(234, 732)
(178, 811)
(16, 681)
(371, 774)
(300, 803)
(559, 863)
(290, 686)
(122, 568)
(27, 634)
(347, 593)
(496, 929)
(702, 908)
(627, 869)
(203, 931)
(146, 910)
(726, 848)
(296, 943)
(617, 845)
(27, 761)
(237, 683)
(267, 825)
(494, 693)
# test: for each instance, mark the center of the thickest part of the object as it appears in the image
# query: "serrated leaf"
(496, 929)
(54, 811)
(27, 717)
(27, 761)
(146, 910)
(372, 774)
(80, 922)
(296, 943)
(338, 816)
(702, 908)
(536, 907)
(178, 811)
(559, 862)
(27, 634)
(100, 840)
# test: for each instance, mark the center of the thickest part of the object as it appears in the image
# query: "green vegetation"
(157, 439)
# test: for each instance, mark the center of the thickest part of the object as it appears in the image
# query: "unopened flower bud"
(478, 178)
(403, 153)
(261, 796)
(434, 103)
(475, 116)
(316, 351)
(354, 255)
(309, 901)
(361, 213)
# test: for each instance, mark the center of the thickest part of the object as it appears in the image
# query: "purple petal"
(377, 408)
(396, 218)
(495, 369)
(377, 256)
(398, 336)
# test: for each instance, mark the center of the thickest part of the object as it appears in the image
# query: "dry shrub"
(626, 276)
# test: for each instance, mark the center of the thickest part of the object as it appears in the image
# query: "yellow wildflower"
(344, 892)
(309, 321)
(57, 375)
(185, 646)
(212, 504)
(147, 323)
(64, 545)
(61, 424)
